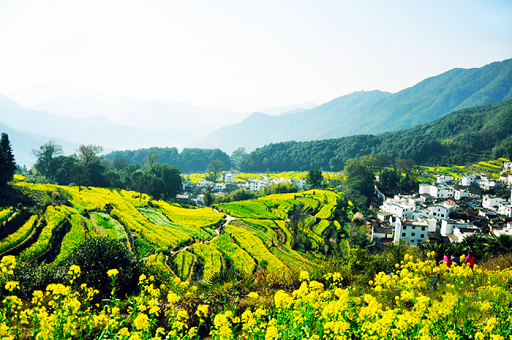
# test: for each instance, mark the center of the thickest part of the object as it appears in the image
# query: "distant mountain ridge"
(74, 131)
(361, 112)
(372, 112)
(460, 137)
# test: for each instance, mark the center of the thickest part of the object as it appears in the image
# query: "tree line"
(88, 167)
(189, 160)
(460, 137)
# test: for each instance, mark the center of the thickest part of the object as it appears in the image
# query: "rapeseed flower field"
(419, 299)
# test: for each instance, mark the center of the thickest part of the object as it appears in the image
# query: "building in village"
(411, 216)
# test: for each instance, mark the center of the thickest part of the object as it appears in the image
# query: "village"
(448, 210)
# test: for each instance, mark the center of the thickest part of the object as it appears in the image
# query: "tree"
(172, 181)
(151, 159)
(359, 183)
(389, 178)
(140, 182)
(97, 255)
(7, 163)
(208, 195)
(45, 163)
(88, 157)
(88, 154)
(314, 178)
(237, 157)
(215, 169)
(407, 166)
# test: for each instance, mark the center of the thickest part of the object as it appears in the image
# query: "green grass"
(107, 226)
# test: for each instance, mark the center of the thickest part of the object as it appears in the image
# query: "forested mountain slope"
(461, 137)
(373, 112)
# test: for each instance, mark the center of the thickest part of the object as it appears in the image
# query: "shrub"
(97, 255)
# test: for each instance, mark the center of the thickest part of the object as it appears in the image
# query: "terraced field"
(191, 243)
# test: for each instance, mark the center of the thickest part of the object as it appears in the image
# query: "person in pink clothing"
(470, 260)
(447, 259)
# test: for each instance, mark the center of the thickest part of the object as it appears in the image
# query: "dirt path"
(218, 230)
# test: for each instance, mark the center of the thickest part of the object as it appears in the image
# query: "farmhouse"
(414, 233)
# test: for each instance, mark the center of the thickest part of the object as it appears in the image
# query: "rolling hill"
(460, 137)
(372, 112)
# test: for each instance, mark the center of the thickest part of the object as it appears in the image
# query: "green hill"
(460, 137)
(373, 112)
(279, 232)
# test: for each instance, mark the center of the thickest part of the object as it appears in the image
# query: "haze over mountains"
(373, 112)
(78, 116)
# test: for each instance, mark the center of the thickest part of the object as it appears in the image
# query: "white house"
(505, 209)
(219, 187)
(414, 233)
(503, 231)
(444, 179)
(229, 177)
(400, 209)
(461, 193)
(491, 202)
(441, 211)
(507, 166)
(203, 184)
(467, 180)
(436, 191)
(426, 188)
(462, 233)
(257, 185)
(449, 225)
(380, 233)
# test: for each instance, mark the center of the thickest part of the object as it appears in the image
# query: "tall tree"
(45, 163)
(237, 157)
(359, 183)
(88, 154)
(215, 169)
(7, 163)
(314, 178)
(89, 158)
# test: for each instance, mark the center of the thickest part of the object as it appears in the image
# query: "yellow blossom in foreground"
(112, 272)
(202, 311)
(141, 322)
(253, 295)
(304, 276)
(12, 285)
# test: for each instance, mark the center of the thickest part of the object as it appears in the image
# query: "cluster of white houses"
(426, 216)
(251, 185)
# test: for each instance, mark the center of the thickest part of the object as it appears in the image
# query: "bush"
(32, 276)
(97, 255)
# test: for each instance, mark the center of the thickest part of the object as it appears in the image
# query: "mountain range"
(372, 112)
(136, 124)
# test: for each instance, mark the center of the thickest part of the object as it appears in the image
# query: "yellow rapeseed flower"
(304, 276)
(253, 295)
(112, 272)
(12, 285)
(141, 322)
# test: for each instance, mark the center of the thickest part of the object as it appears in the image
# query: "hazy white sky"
(245, 55)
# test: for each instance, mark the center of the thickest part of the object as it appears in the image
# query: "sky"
(245, 55)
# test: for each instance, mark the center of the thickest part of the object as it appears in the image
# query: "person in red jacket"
(470, 260)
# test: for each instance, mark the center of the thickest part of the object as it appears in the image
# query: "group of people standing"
(469, 259)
